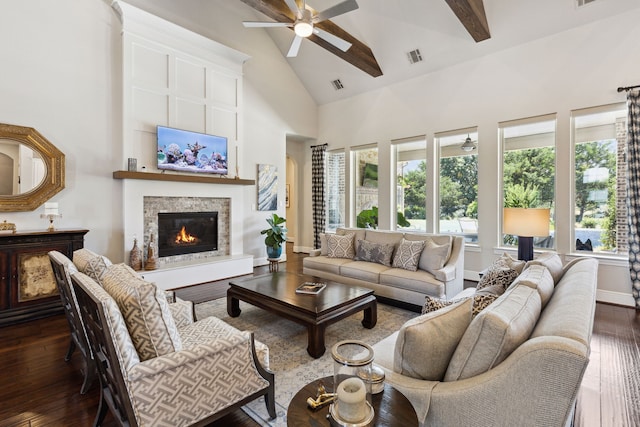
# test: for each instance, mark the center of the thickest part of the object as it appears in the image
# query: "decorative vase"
(151, 256)
(274, 252)
(135, 257)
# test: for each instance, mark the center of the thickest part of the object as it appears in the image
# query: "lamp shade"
(528, 222)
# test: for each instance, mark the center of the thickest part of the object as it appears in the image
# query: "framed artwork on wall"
(267, 187)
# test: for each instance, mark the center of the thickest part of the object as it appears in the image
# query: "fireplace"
(187, 232)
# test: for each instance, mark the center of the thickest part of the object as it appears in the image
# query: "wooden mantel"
(206, 179)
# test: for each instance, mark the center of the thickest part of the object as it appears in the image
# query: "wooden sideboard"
(27, 285)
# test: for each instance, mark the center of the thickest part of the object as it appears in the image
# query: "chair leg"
(102, 410)
(270, 401)
(90, 374)
(72, 347)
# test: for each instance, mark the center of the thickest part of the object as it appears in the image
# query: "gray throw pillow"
(374, 252)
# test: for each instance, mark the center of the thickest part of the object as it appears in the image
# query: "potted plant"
(275, 236)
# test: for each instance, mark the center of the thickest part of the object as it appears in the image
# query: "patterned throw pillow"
(340, 246)
(374, 252)
(498, 274)
(146, 312)
(408, 254)
(91, 264)
(432, 304)
(480, 302)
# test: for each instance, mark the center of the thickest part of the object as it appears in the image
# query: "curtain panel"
(633, 186)
(318, 153)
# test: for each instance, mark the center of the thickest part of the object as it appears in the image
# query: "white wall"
(574, 69)
(61, 74)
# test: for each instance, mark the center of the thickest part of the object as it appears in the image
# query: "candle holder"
(353, 361)
(50, 217)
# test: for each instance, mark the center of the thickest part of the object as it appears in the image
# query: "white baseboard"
(618, 298)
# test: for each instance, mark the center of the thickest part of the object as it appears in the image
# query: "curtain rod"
(627, 88)
(319, 145)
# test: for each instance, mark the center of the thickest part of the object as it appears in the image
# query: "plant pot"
(274, 252)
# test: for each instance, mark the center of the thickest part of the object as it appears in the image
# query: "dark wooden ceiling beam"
(359, 55)
(471, 15)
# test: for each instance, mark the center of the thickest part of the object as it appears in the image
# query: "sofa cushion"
(91, 264)
(417, 281)
(436, 252)
(498, 274)
(539, 278)
(363, 270)
(408, 254)
(382, 236)
(145, 310)
(425, 344)
(324, 263)
(495, 333)
(380, 253)
(340, 246)
(552, 261)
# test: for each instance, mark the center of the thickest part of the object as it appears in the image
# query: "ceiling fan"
(304, 24)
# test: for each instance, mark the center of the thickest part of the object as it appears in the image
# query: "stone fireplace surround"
(152, 205)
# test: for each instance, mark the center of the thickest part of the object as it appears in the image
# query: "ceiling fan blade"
(339, 9)
(293, 6)
(255, 24)
(341, 44)
(295, 46)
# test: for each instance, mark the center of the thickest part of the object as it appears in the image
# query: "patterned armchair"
(155, 373)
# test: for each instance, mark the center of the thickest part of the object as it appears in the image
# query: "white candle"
(51, 208)
(352, 397)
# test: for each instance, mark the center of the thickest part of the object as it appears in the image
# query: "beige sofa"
(396, 283)
(519, 362)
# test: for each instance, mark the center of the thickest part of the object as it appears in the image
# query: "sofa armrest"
(539, 380)
(315, 252)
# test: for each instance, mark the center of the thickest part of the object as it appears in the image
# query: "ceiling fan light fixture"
(304, 26)
(468, 145)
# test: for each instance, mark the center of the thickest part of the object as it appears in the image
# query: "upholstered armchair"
(154, 373)
(63, 268)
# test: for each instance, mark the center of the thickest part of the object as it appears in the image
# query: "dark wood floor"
(37, 388)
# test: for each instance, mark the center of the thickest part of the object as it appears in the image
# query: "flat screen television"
(186, 151)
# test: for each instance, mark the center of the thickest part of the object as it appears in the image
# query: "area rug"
(287, 342)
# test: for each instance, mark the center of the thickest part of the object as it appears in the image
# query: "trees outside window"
(365, 182)
(458, 184)
(411, 180)
(529, 169)
(600, 179)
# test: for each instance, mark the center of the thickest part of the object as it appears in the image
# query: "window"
(411, 180)
(335, 190)
(528, 166)
(600, 179)
(365, 182)
(458, 186)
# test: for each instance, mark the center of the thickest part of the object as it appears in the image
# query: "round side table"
(391, 407)
(273, 264)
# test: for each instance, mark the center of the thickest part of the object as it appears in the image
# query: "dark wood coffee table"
(391, 407)
(276, 293)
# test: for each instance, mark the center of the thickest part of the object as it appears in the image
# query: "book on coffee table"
(310, 288)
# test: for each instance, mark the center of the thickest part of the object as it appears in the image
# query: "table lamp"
(526, 223)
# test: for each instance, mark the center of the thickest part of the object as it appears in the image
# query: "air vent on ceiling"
(583, 2)
(414, 56)
(337, 84)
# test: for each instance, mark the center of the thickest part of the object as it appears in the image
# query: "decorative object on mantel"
(7, 227)
(276, 235)
(51, 213)
(135, 257)
(150, 264)
(237, 167)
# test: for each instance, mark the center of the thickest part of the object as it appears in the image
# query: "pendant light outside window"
(468, 145)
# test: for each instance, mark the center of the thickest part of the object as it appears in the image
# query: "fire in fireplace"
(187, 232)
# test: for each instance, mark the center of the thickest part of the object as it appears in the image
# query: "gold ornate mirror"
(31, 169)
